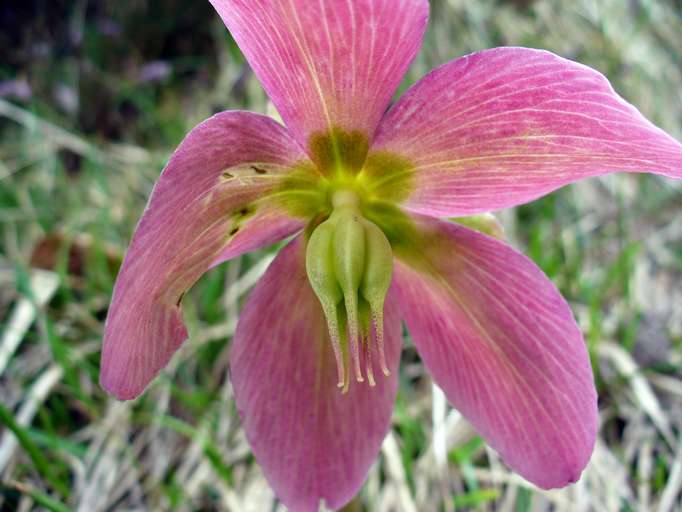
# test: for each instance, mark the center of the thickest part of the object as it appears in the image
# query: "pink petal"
(327, 64)
(202, 208)
(268, 226)
(502, 343)
(504, 126)
(313, 442)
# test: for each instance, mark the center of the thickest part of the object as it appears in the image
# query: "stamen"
(346, 371)
(351, 303)
(368, 360)
(378, 323)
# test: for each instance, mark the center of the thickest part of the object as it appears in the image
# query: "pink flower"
(363, 188)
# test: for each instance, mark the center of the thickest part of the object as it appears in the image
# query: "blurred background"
(94, 96)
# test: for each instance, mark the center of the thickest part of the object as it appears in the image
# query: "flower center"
(349, 264)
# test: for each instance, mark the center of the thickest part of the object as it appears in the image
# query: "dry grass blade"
(671, 498)
(43, 285)
(629, 370)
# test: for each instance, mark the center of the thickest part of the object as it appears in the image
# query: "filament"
(378, 323)
(368, 360)
(353, 334)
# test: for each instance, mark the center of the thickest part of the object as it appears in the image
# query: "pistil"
(349, 264)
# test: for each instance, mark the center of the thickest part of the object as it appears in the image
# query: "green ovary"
(350, 263)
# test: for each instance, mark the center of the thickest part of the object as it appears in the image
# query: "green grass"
(75, 179)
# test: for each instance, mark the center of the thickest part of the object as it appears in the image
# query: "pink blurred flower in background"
(363, 187)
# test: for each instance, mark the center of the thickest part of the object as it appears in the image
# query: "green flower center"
(351, 197)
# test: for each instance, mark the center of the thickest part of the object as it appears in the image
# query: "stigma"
(349, 263)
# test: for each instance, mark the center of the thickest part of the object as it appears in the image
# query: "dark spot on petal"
(259, 170)
(227, 176)
(244, 212)
(177, 303)
(234, 231)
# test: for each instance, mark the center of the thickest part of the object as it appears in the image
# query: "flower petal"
(327, 65)
(313, 442)
(504, 126)
(209, 203)
(502, 343)
(485, 223)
